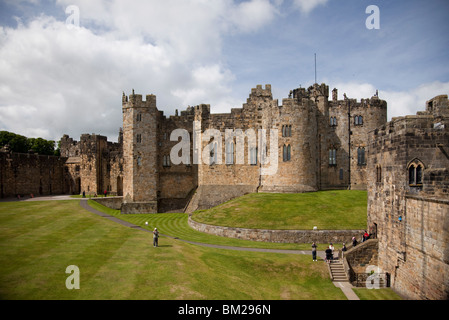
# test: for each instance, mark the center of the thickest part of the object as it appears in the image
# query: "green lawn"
(327, 210)
(176, 225)
(39, 240)
(376, 294)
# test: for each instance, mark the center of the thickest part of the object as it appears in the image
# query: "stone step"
(338, 271)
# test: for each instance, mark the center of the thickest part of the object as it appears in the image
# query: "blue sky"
(55, 79)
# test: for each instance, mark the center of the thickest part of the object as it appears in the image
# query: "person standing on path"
(331, 246)
(314, 251)
(155, 237)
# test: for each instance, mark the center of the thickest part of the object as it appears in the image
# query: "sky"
(64, 64)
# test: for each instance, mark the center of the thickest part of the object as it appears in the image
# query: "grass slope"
(328, 210)
(176, 225)
(38, 240)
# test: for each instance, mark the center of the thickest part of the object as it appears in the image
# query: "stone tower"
(140, 153)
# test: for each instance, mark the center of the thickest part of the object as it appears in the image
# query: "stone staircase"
(337, 271)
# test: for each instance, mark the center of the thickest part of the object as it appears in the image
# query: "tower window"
(332, 157)
(139, 138)
(358, 120)
(286, 153)
(213, 153)
(415, 173)
(230, 152)
(166, 161)
(333, 121)
(361, 156)
(139, 117)
(286, 130)
(253, 156)
(378, 173)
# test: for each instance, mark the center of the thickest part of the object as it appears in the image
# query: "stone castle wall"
(139, 167)
(408, 201)
(94, 164)
(31, 174)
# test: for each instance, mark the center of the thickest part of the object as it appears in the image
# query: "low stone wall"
(139, 207)
(110, 202)
(280, 236)
(362, 255)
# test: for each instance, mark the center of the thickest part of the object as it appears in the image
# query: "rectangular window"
(139, 138)
(253, 156)
(332, 157)
(230, 152)
(361, 156)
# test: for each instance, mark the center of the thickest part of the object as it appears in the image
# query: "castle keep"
(312, 143)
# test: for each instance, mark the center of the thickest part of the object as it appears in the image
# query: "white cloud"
(306, 6)
(54, 80)
(411, 101)
(250, 16)
(399, 103)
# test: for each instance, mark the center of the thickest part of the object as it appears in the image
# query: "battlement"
(438, 106)
(373, 102)
(313, 91)
(203, 109)
(136, 101)
(434, 119)
(258, 91)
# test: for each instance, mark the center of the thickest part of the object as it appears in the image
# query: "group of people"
(330, 249)
(329, 252)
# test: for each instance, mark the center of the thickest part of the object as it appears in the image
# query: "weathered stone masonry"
(408, 200)
(322, 144)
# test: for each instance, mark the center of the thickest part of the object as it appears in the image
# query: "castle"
(311, 143)
(195, 160)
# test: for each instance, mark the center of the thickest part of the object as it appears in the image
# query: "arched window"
(286, 130)
(415, 173)
(419, 174)
(411, 175)
(286, 153)
(333, 121)
(358, 120)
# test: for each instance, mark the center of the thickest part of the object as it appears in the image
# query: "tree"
(42, 146)
(22, 144)
(16, 142)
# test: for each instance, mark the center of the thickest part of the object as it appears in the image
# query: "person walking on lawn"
(155, 237)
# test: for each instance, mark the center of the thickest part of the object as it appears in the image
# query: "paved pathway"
(40, 198)
(346, 287)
